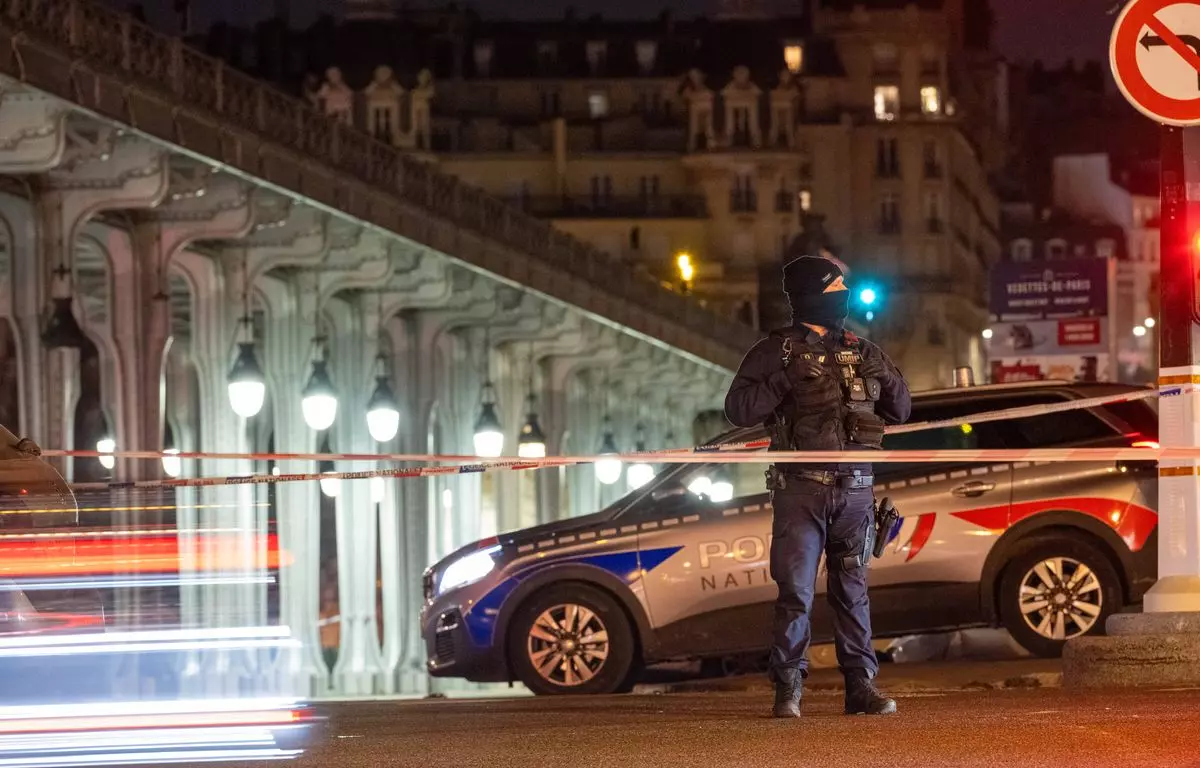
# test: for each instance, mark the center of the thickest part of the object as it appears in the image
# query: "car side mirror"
(668, 492)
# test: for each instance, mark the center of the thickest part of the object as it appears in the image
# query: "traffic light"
(867, 300)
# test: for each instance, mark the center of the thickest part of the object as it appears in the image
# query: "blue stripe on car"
(626, 566)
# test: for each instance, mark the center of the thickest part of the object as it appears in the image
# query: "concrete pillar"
(116, 172)
(286, 359)
(196, 209)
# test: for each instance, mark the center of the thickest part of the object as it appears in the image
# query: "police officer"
(819, 387)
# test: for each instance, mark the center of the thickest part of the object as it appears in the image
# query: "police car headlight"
(467, 569)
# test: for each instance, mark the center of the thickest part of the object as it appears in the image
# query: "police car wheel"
(1057, 589)
(572, 639)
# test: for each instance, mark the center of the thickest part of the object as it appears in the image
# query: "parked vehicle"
(679, 568)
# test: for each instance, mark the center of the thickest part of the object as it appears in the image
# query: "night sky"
(1052, 30)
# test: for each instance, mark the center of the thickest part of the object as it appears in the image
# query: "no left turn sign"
(1155, 58)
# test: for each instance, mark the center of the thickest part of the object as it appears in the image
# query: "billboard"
(1006, 370)
(1049, 289)
(1075, 336)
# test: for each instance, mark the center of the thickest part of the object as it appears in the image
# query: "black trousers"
(812, 519)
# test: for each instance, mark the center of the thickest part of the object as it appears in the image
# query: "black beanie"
(804, 281)
(809, 275)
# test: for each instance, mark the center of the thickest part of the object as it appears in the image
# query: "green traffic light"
(867, 296)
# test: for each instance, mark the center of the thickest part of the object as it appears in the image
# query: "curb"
(892, 684)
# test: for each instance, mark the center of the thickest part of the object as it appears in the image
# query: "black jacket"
(761, 385)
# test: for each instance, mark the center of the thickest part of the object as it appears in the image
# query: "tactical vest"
(833, 412)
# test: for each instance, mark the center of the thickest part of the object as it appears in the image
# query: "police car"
(679, 568)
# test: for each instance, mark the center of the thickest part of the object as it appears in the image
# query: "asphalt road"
(1028, 728)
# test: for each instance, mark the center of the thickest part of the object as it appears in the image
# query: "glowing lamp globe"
(246, 386)
(489, 435)
(107, 445)
(383, 415)
(172, 465)
(319, 402)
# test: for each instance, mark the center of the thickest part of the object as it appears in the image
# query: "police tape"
(741, 452)
(1024, 412)
(948, 456)
(1020, 412)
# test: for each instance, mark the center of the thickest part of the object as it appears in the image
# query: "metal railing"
(625, 207)
(106, 38)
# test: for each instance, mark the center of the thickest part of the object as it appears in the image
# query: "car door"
(928, 577)
(710, 589)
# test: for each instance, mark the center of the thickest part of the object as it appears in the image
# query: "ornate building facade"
(872, 126)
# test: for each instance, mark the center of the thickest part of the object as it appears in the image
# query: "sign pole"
(1159, 73)
(1178, 585)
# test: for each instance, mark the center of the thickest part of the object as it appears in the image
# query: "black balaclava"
(804, 281)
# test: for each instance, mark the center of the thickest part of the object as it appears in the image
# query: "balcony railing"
(636, 207)
(47, 35)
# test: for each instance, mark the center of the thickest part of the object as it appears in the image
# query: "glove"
(800, 371)
(875, 368)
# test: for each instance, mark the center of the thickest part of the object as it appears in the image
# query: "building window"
(547, 53)
(887, 158)
(931, 63)
(804, 168)
(933, 159)
(598, 104)
(933, 213)
(1106, 248)
(602, 190)
(889, 214)
(1056, 249)
(647, 51)
(805, 200)
(742, 197)
(886, 59)
(784, 199)
(1022, 250)
(597, 56)
(648, 186)
(793, 57)
(887, 102)
(551, 103)
(931, 100)
(483, 58)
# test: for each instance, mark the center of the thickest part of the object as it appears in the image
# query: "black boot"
(862, 698)
(789, 687)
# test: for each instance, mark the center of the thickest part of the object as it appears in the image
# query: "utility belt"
(777, 480)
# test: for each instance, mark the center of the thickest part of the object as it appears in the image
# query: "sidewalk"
(897, 678)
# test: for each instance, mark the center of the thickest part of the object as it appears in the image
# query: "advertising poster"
(1006, 370)
(1049, 289)
(1075, 336)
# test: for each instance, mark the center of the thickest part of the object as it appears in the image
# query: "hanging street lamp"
(105, 446)
(320, 401)
(383, 413)
(531, 443)
(489, 433)
(330, 486)
(247, 385)
(640, 473)
(608, 471)
(61, 330)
